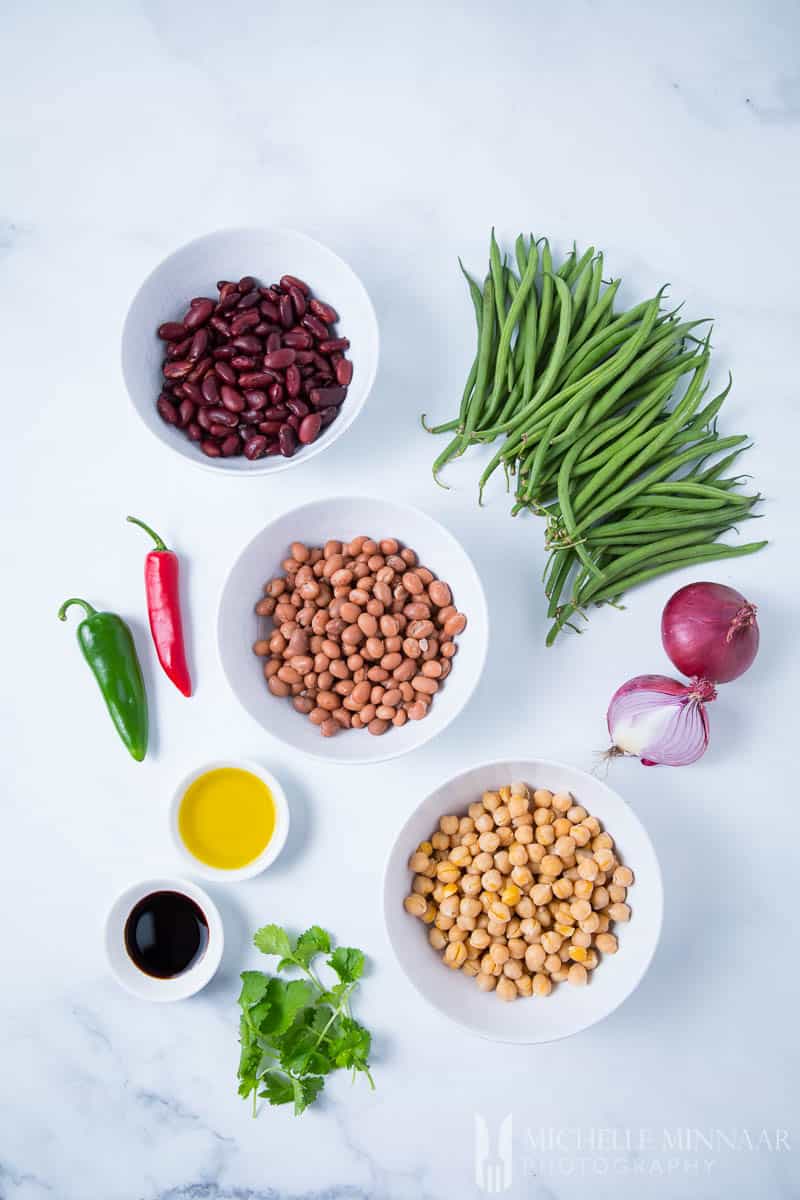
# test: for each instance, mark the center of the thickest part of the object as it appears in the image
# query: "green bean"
(546, 305)
(529, 334)
(484, 355)
(508, 328)
(687, 557)
(497, 272)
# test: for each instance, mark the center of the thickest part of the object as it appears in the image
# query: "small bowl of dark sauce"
(164, 939)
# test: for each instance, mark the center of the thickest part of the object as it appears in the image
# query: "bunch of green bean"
(604, 426)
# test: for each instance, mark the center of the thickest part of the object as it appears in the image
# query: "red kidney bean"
(246, 284)
(265, 328)
(178, 369)
(256, 379)
(210, 448)
(344, 371)
(227, 302)
(243, 321)
(310, 428)
(315, 327)
(231, 445)
(304, 357)
(250, 300)
(287, 441)
(249, 343)
(298, 301)
(256, 399)
(298, 339)
(226, 373)
(333, 344)
(167, 410)
(323, 311)
(198, 313)
(192, 392)
(221, 416)
(203, 419)
(185, 413)
(272, 449)
(193, 431)
(250, 416)
(243, 362)
(233, 400)
(218, 431)
(326, 415)
(286, 312)
(270, 427)
(270, 311)
(289, 281)
(275, 393)
(171, 331)
(255, 446)
(273, 342)
(200, 369)
(198, 345)
(297, 407)
(210, 390)
(278, 412)
(277, 360)
(293, 380)
(179, 349)
(225, 288)
(223, 352)
(323, 397)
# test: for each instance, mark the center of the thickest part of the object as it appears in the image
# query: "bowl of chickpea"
(528, 882)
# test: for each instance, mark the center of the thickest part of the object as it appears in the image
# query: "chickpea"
(534, 958)
(475, 810)
(623, 877)
(526, 908)
(422, 885)
(480, 939)
(565, 847)
(619, 912)
(542, 816)
(605, 859)
(450, 906)
(506, 835)
(592, 824)
(552, 963)
(520, 788)
(524, 985)
(600, 897)
(449, 825)
(466, 923)
(524, 835)
(535, 854)
(486, 983)
(545, 835)
(517, 947)
(580, 835)
(511, 895)
(499, 953)
(577, 975)
(590, 924)
(562, 802)
(437, 938)
(457, 934)
(492, 881)
(498, 911)
(506, 989)
(583, 889)
(440, 841)
(616, 893)
(489, 842)
(604, 923)
(588, 869)
(552, 941)
(461, 856)
(415, 905)
(518, 805)
(502, 816)
(562, 827)
(455, 955)
(522, 877)
(551, 865)
(580, 909)
(529, 928)
(418, 862)
(502, 862)
(591, 960)
(562, 888)
(541, 894)
(496, 928)
(579, 938)
(576, 814)
(491, 801)
(517, 855)
(542, 798)
(541, 985)
(607, 943)
(443, 922)
(470, 884)
(512, 969)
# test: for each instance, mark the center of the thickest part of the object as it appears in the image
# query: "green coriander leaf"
(350, 1044)
(336, 994)
(348, 963)
(278, 1088)
(254, 987)
(314, 941)
(249, 1058)
(302, 1053)
(271, 939)
(305, 1092)
(275, 1013)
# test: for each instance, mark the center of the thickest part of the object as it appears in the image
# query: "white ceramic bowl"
(346, 517)
(228, 254)
(145, 986)
(270, 851)
(567, 1009)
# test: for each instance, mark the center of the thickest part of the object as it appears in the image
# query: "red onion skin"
(697, 694)
(710, 631)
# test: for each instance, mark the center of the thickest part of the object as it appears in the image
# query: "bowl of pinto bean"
(250, 350)
(353, 629)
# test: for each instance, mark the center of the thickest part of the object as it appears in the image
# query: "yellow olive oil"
(226, 818)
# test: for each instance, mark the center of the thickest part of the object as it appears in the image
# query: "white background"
(668, 136)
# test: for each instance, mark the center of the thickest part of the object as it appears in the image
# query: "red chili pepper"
(164, 610)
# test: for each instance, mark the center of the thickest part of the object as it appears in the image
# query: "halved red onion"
(659, 720)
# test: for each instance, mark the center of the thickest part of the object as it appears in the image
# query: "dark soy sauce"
(165, 934)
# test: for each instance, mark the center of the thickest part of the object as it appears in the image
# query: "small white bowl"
(270, 851)
(128, 975)
(343, 518)
(568, 1009)
(193, 270)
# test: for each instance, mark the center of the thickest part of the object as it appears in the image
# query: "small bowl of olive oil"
(229, 820)
(164, 939)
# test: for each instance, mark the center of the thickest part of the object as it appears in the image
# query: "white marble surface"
(666, 134)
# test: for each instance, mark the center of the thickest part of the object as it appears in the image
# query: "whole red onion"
(710, 631)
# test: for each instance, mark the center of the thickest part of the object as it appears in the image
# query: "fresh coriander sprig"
(293, 1033)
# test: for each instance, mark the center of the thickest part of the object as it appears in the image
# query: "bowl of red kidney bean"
(250, 351)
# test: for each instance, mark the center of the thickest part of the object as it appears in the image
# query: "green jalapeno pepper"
(107, 645)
